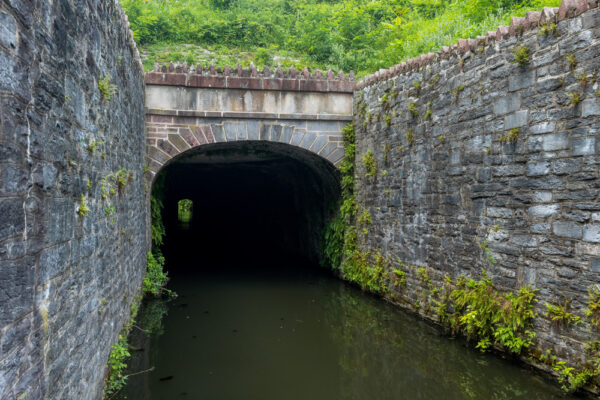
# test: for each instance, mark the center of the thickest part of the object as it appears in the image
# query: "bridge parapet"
(251, 78)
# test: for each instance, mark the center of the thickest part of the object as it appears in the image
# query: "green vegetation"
(337, 34)
(572, 61)
(83, 209)
(417, 86)
(410, 137)
(412, 107)
(548, 29)
(558, 313)
(93, 145)
(185, 208)
(116, 367)
(575, 98)
(107, 89)
(115, 181)
(109, 210)
(155, 278)
(153, 284)
(511, 137)
(522, 55)
(593, 310)
(339, 229)
(483, 314)
(457, 91)
(370, 165)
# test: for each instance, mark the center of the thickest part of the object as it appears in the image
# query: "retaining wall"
(67, 280)
(474, 150)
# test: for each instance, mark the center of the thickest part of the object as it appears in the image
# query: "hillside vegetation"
(359, 35)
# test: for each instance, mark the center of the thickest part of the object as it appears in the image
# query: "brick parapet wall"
(251, 79)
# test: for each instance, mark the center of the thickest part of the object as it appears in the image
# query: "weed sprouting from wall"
(107, 89)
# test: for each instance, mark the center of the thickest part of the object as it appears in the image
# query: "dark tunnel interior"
(254, 203)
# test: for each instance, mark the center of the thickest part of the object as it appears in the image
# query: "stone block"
(515, 120)
(543, 211)
(297, 137)
(319, 143)
(538, 168)
(556, 141)
(540, 228)
(230, 131)
(499, 212)
(544, 127)
(508, 170)
(265, 132)
(590, 107)
(322, 126)
(584, 146)
(308, 140)
(542, 197)
(478, 144)
(591, 233)
(12, 217)
(253, 130)
(524, 241)
(565, 166)
(595, 264)
(507, 104)
(534, 143)
(276, 132)
(8, 31)
(521, 81)
(570, 230)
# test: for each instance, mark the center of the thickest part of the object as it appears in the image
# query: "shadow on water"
(279, 328)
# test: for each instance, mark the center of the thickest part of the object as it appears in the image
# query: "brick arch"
(170, 136)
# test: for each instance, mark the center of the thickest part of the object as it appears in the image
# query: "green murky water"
(292, 332)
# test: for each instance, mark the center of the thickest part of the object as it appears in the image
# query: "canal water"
(287, 330)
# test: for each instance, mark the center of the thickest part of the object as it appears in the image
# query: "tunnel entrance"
(249, 202)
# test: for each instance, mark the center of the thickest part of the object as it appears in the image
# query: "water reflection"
(297, 333)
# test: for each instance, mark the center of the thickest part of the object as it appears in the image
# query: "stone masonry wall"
(472, 148)
(66, 280)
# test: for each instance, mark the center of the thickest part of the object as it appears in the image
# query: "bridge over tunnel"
(255, 154)
(252, 202)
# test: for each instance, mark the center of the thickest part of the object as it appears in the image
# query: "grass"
(221, 56)
(343, 34)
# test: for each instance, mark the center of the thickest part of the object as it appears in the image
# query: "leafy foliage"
(335, 232)
(107, 89)
(522, 55)
(342, 34)
(155, 278)
(185, 209)
(83, 209)
(483, 314)
(558, 313)
(370, 165)
(116, 364)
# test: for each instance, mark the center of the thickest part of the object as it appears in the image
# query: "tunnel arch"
(253, 194)
(172, 136)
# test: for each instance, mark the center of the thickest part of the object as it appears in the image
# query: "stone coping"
(222, 81)
(248, 115)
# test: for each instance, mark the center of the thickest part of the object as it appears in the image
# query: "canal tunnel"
(247, 202)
